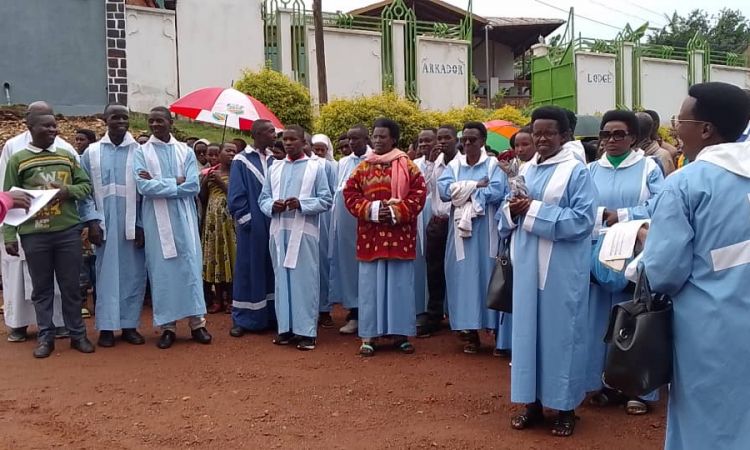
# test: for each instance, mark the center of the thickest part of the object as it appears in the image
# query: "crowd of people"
(278, 231)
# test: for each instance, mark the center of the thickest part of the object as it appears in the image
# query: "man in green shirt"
(52, 238)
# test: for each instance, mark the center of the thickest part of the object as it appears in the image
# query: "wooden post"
(320, 54)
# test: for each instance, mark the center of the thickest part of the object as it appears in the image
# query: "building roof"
(518, 33)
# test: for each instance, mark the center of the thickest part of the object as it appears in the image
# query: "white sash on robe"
(161, 207)
(113, 189)
(458, 241)
(261, 177)
(557, 184)
(296, 225)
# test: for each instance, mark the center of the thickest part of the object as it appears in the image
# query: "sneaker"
(351, 327)
(306, 344)
(61, 333)
(85, 313)
(284, 338)
(17, 335)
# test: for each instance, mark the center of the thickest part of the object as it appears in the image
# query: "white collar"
(565, 154)
(34, 149)
(251, 149)
(461, 158)
(127, 141)
(633, 158)
(155, 140)
(732, 156)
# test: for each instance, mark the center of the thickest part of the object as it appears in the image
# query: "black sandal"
(607, 397)
(564, 425)
(532, 417)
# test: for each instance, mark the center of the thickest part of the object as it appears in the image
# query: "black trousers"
(55, 255)
(436, 238)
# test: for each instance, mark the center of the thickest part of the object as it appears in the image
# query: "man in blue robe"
(343, 235)
(550, 250)
(113, 217)
(698, 252)
(475, 185)
(294, 194)
(166, 175)
(252, 304)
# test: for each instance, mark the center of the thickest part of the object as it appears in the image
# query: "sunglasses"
(617, 135)
(471, 140)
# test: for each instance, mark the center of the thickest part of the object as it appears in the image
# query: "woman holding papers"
(627, 183)
(13, 199)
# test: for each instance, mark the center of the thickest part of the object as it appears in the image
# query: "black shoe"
(167, 340)
(237, 331)
(61, 333)
(325, 320)
(132, 336)
(18, 335)
(201, 335)
(83, 345)
(306, 344)
(285, 338)
(44, 349)
(106, 339)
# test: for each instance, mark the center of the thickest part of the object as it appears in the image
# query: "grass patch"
(184, 129)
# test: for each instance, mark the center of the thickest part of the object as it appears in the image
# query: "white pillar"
(539, 50)
(697, 59)
(286, 49)
(627, 74)
(398, 41)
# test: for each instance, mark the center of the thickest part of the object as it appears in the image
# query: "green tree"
(727, 31)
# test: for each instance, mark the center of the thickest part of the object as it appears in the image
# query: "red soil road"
(248, 393)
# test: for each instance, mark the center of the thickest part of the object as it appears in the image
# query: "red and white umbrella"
(225, 107)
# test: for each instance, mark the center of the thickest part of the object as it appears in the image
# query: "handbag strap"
(642, 292)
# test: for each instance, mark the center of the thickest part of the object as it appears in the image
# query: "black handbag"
(639, 341)
(500, 290)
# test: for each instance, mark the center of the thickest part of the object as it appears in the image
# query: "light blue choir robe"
(380, 282)
(698, 252)
(173, 250)
(115, 203)
(421, 296)
(550, 252)
(253, 285)
(297, 287)
(344, 272)
(331, 169)
(630, 190)
(467, 278)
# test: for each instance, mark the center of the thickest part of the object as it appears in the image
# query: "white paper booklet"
(619, 243)
(17, 216)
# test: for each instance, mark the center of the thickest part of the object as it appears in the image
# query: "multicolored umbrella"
(225, 107)
(499, 133)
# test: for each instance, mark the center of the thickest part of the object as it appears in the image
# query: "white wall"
(595, 82)
(151, 56)
(664, 85)
(442, 73)
(501, 64)
(738, 76)
(353, 63)
(217, 40)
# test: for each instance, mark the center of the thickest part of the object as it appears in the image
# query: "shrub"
(339, 115)
(289, 100)
(666, 134)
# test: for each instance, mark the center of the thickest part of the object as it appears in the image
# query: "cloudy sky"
(595, 18)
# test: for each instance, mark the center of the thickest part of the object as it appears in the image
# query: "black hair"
(393, 129)
(572, 120)
(526, 130)
(90, 135)
(162, 109)
(112, 105)
(451, 128)
(256, 126)
(221, 147)
(655, 117)
(343, 136)
(143, 135)
(278, 144)
(479, 126)
(620, 115)
(362, 129)
(434, 130)
(645, 125)
(725, 106)
(552, 113)
(298, 129)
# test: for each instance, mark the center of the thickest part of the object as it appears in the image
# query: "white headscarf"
(323, 139)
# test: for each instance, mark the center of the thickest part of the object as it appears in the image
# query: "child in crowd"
(212, 157)
(219, 240)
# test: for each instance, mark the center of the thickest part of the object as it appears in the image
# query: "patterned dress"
(219, 240)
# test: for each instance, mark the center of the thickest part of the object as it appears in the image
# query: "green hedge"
(289, 100)
(338, 116)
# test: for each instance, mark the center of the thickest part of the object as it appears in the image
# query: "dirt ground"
(248, 393)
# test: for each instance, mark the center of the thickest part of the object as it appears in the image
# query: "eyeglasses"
(471, 140)
(676, 121)
(617, 135)
(549, 134)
